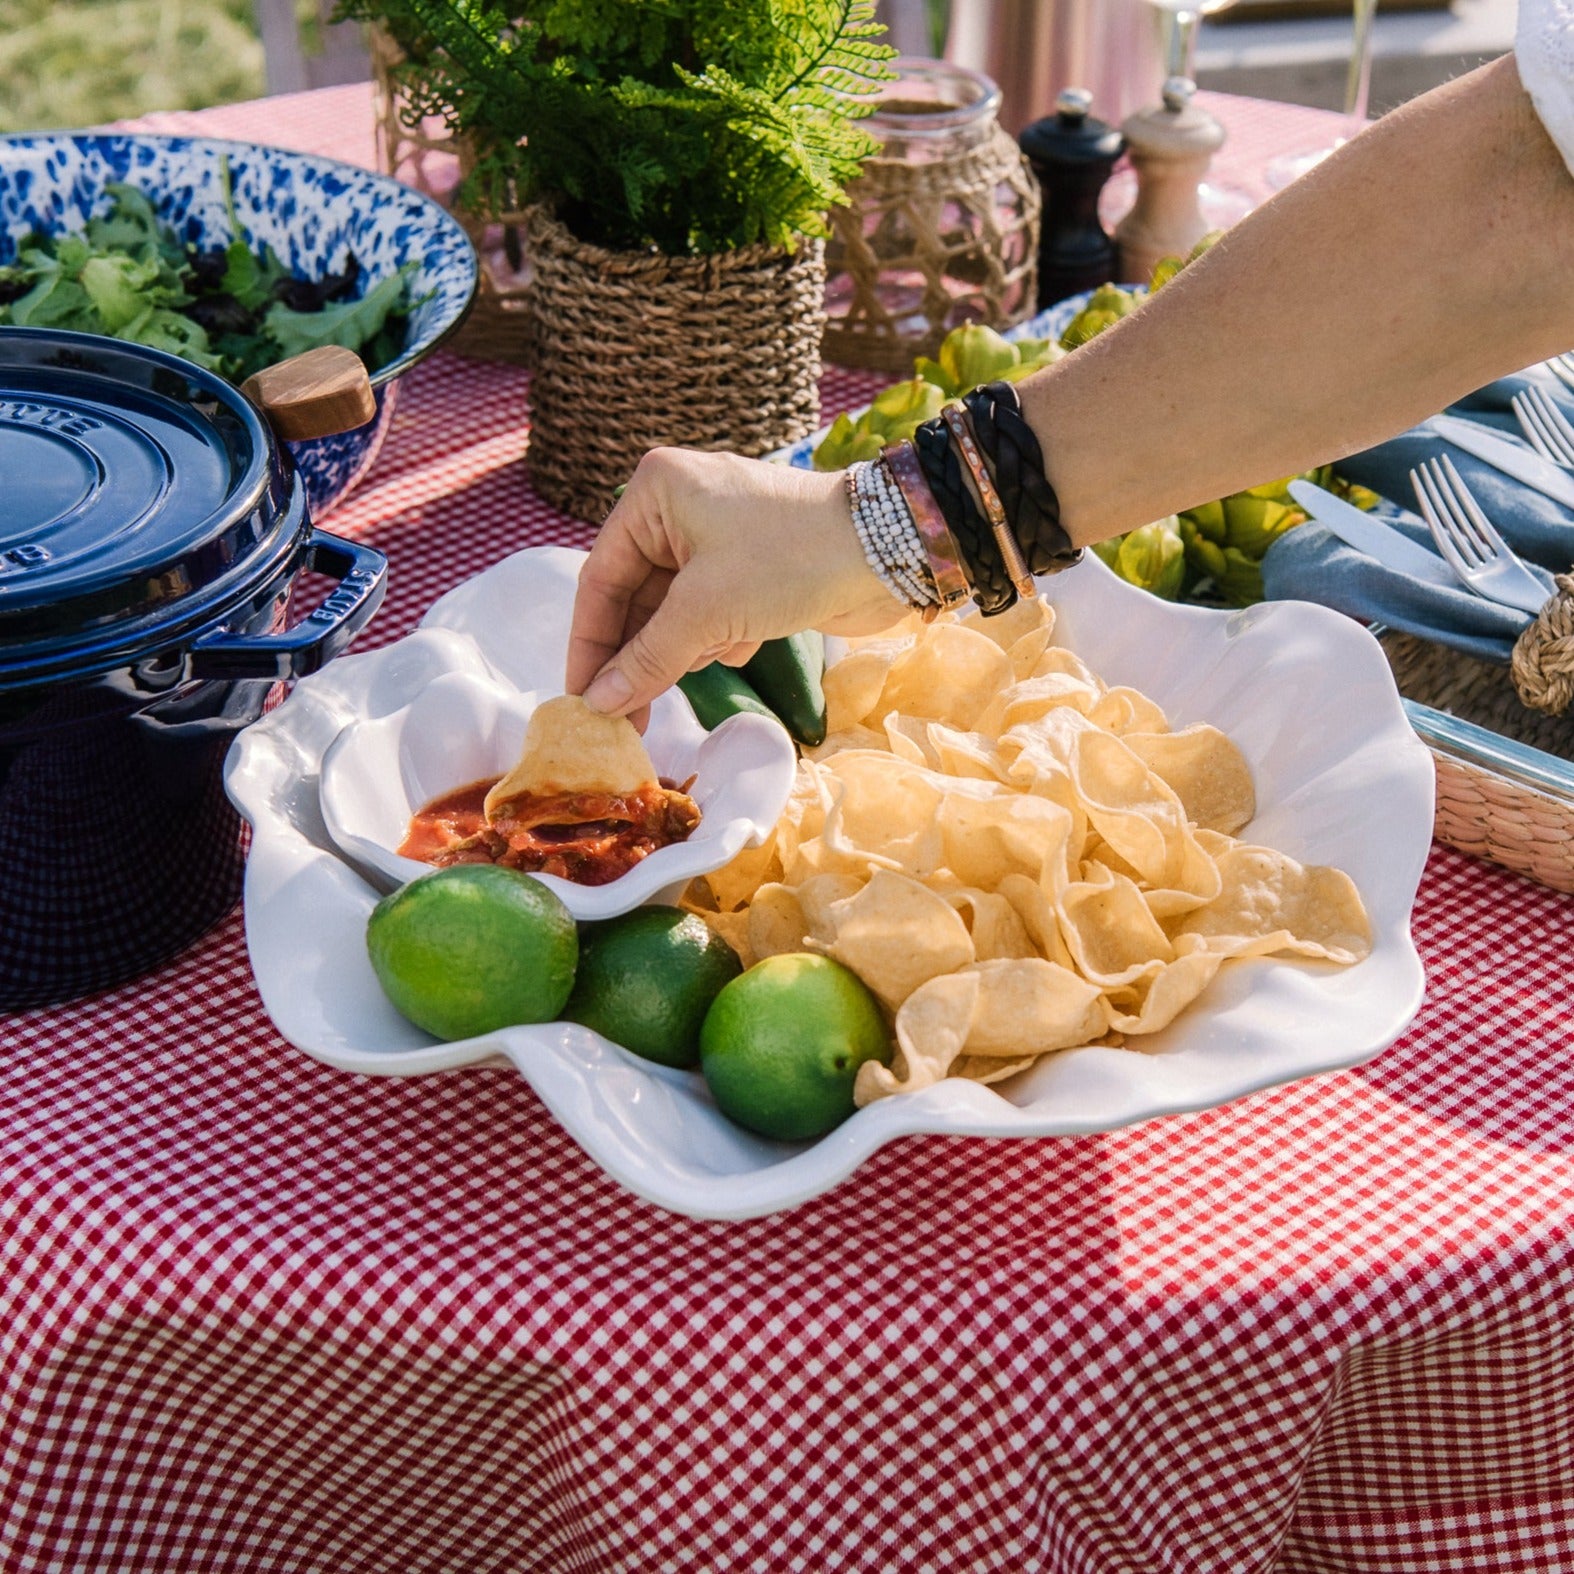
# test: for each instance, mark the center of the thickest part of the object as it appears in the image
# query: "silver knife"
(1508, 457)
(1392, 548)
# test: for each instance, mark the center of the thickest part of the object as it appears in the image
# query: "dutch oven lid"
(135, 490)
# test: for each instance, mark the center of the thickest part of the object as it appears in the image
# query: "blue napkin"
(1311, 564)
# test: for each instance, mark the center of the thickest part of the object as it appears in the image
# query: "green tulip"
(1253, 523)
(846, 443)
(1108, 550)
(1205, 558)
(1209, 519)
(1240, 581)
(1154, 558)
(899, 411)
(974, 354)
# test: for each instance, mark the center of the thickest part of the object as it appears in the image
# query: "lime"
(467, 949)
(647, 979)
(782, 1045)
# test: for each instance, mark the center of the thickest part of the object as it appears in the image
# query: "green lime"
(467, 949)
(782, 1045)
(647, 979)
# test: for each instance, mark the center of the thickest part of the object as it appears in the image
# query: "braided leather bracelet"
(981, 557)
(1014, 454)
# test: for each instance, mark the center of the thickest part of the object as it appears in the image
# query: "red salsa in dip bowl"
(607, 820)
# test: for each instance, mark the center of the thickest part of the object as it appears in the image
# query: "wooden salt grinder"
(1170, 145)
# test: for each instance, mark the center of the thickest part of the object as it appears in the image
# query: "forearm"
(1428, 256)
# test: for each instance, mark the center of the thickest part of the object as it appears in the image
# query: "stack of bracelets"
(963, 510)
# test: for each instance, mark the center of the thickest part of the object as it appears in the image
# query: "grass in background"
(81, 62)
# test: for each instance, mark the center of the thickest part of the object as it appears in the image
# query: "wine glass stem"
(1183, 42)
(1358, 84)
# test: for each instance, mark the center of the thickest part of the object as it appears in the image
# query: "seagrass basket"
(1514, 806)
(423, 155)
(636, 350)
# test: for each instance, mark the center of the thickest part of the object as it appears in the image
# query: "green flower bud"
(1164, 270)
(974, 354)
(1240, 580)
(901, 409)
(1209, 519)
(1154, 558)
(1253, 523)
(846, 443)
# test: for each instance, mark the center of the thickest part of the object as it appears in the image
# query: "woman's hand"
(706, 555)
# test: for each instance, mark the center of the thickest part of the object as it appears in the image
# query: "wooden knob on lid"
(318, 394)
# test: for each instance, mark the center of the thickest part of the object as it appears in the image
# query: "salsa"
(589, 838)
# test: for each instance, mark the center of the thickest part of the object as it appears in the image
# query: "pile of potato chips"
(1015, 857)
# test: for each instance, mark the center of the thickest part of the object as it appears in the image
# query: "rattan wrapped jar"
(635, 350)
(943, 223)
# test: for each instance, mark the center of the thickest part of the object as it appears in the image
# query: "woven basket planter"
(636, 350)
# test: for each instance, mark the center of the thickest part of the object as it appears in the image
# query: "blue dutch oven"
(151, 531)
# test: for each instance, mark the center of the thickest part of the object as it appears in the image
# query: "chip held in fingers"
(583, 803)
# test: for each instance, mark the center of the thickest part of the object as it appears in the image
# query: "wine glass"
(1357, 88)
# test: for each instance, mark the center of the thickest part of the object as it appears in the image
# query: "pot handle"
(362, 573)
(316, 394)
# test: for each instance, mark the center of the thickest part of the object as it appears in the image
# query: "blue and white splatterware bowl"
(310, 210)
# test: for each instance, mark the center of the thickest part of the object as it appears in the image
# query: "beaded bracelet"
(887, 534)
(1013, 453)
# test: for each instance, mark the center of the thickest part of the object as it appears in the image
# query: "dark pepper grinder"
(1072, 154)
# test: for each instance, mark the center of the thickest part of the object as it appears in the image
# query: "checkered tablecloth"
(258, 1315)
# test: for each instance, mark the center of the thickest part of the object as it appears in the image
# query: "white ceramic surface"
(380, 770)
(1341, 779)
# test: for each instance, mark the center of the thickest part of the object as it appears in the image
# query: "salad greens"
(229, 309)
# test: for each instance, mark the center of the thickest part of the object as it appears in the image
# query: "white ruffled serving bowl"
(1341, 779)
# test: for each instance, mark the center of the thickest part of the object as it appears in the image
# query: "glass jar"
(942, 226)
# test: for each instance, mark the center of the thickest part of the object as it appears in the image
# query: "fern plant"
(691, 126)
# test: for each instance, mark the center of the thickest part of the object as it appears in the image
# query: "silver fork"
(1472, 548)
(1562, 367)
(1545, 426)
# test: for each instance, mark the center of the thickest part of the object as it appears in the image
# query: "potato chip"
(896, 934)
(1111, 933)
(734, 883)
(1269, 903)
(1153, 1002)
(947, 676)
(571, 748)
(1035, 697)
(1207, 772)
(1125, 710)
(985, 838)
(966, 754)
(907, 737)
(853, 684)
(995, 925)
(1036, 908)
(816, 896)
(734, 929)
(1030, 1007)
(930, 1030)
(1026, 617)
(882, 815)
(776, 922)
(1056, 658)
(856, 737)
(987, 1068)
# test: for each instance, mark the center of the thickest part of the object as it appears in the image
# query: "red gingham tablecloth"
(256, 1314)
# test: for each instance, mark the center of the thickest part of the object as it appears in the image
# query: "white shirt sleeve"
(1544, 51)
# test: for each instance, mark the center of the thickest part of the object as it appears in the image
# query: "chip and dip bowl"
(1306, 694)
(464, 727)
